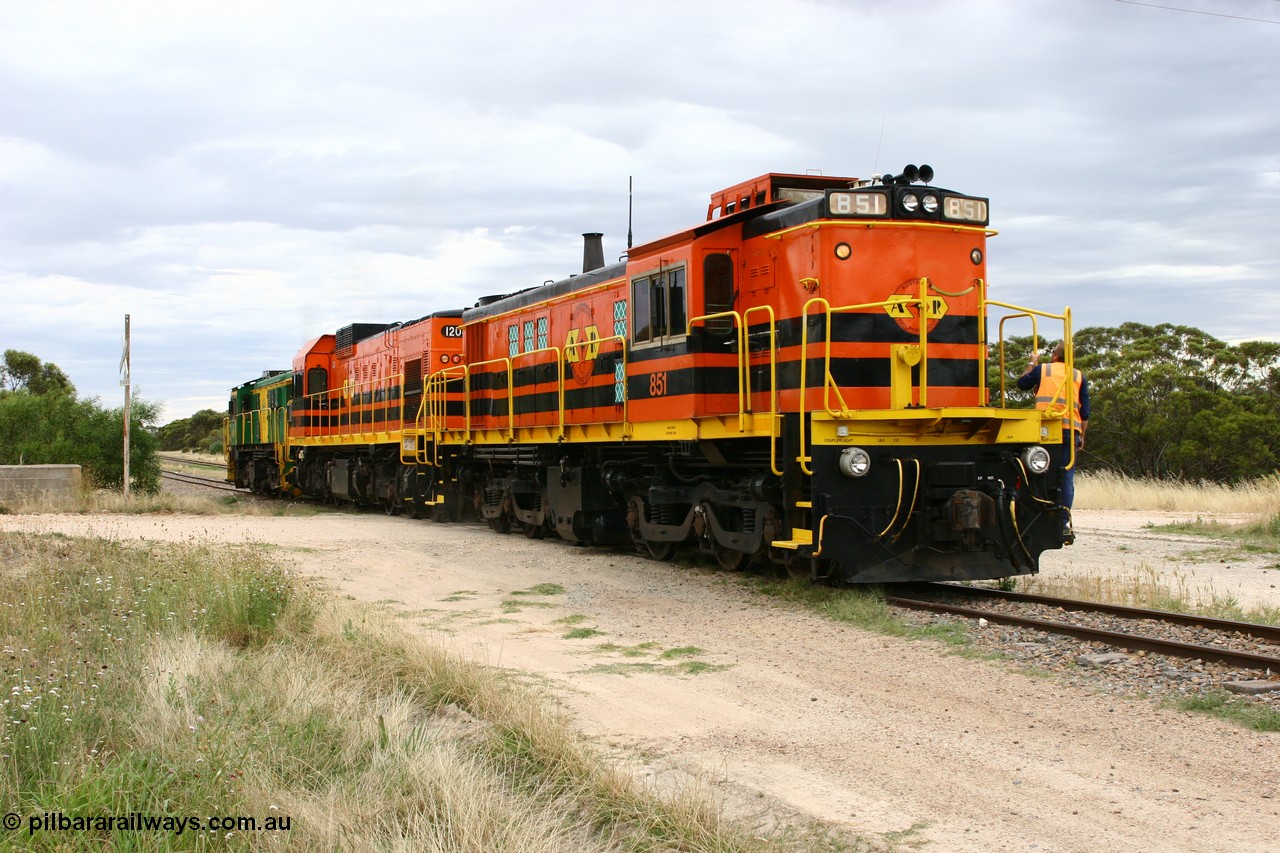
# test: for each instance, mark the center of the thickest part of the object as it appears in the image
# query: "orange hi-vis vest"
(1052, 394)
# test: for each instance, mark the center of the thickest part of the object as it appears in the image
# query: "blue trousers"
(1069, 474)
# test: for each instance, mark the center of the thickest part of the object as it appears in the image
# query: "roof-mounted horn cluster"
(910, 175)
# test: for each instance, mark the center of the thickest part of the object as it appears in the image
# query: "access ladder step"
(799, 539)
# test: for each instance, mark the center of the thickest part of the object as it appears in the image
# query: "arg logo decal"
(582, 344)
(907, 314)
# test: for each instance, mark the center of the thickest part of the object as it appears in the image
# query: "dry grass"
(193, 682)
(1103, 490)
(107, 501)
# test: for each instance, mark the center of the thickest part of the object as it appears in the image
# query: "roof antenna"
(876, 165)
(630, 180)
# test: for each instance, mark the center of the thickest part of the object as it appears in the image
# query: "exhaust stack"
(592, 251)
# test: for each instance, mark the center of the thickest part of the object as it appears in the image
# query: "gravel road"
(685, 673)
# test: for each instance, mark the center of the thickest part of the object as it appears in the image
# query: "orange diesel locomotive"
(800, 380)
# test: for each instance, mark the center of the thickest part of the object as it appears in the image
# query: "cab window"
(317, 380)
(658, 306)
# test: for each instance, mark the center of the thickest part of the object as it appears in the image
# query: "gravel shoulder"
(786, 714)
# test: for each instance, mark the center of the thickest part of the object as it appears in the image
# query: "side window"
(640, 305)
(658, 305)
(717, 291)
(513, 340)
(677, 317)
(542, 333)
(528, 336)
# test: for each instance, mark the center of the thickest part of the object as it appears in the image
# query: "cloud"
(241, 176)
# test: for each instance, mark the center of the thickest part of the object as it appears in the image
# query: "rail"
(1122, 639)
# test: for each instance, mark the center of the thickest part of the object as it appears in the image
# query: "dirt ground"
(787, 716)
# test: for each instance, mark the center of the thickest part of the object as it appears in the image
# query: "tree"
(1170, 401)
(201, 431)
(1174, 402)
(23, 371)
(42, 422)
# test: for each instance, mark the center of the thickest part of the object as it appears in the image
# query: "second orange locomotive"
(798, 380)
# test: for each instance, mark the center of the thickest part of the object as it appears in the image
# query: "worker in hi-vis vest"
(1050, 382)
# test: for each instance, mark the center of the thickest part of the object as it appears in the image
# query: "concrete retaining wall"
(19, 482)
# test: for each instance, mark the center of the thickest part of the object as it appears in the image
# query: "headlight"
(930, 203)
(910, 202)
(1037, 459)
(854, 462)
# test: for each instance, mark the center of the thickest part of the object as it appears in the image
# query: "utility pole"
(124, 365)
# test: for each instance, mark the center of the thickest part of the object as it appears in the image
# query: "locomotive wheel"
(500, 523)
(730, 560)
(533, 531)
(389, 506)
(662, 551)
(439, 514)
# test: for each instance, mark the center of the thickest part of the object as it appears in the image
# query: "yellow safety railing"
(745, 406)
(774, 432)
(828, 381)
(258, 426)
(741, 330)
(435, 388)
(510, 394)
(511, 414)
(433, 415)
(621, 340)
(1069, 402)
(348, 403)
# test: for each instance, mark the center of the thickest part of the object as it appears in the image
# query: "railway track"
(183, 460)
(1144, 631)
(195, 480)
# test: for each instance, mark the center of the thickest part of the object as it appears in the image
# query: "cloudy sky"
(241, 176)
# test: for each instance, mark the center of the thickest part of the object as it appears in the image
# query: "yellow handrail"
(1070, 403)
(828, 379)
(742, 356)
(510, 396)
(559, 383)
(773, 380)
(569, 346)
(336, 402)
(435, 405)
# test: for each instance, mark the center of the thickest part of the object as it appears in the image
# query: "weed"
(1251, 715)
(541, 589)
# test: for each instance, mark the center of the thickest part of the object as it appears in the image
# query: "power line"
(1198, 12)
